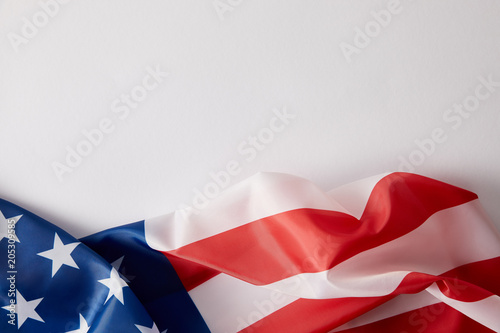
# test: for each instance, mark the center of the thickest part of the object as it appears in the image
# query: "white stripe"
(262, 195)
(229, 305)
(446, 240)
(485, 311)
(354, 196)
(396, 306)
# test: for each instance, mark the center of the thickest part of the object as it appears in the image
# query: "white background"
(227, 72)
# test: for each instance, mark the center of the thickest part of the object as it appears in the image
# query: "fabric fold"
(396, 252)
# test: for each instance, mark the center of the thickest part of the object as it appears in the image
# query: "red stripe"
(305, 315)
(309, 240)
(467, 283)
(451, 287)
(484, 274)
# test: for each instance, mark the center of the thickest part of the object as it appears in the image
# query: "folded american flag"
(392, 253)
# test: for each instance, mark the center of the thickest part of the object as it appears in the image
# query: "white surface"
(352, 120)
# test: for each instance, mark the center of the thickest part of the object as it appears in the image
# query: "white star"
(153, 329)
(60, 254)
(4, 226)
(25, 309)
(84, 326)
(123, 274)
(115, 284)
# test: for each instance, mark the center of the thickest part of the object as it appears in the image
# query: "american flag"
(396, 252)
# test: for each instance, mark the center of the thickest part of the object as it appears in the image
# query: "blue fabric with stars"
(62, 285)
(150, 276)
